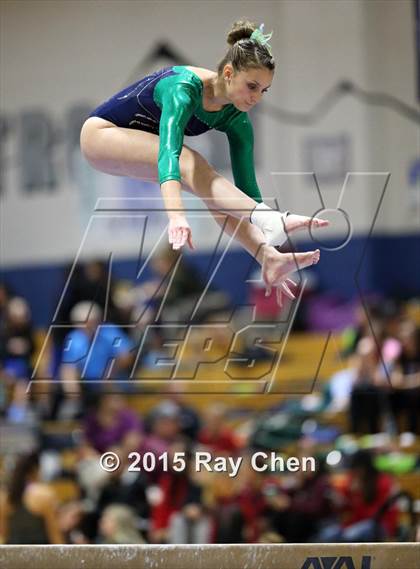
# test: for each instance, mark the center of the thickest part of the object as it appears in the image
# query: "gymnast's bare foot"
(277, 267)
(295, 222)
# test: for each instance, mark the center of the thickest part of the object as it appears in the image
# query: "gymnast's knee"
(86, 135)
(89, 136)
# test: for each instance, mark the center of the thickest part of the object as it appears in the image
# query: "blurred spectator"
(5, 295)
(118, 525)
(28, 511)
(17, 339)
(92, 478)
(165, 427)
(392, 315)
(129, 488)
(89, 281)
(251, 506)
(71, 516)
(177, 514)
(189, 418)
(338, 391)
(221, 496)
(112, 423)
(296, 512)
(405, 379)
(17, 346)
(85, 282)
(362, 494)
(179, 294)
(370, 386)
(116, 428)
(180, 286)
(20, 409)
(379, 317)
(93, 354)
(215, 434)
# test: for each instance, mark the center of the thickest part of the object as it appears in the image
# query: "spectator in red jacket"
(364, 492)
(178, 515)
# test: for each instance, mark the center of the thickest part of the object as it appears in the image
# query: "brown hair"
(244, 53)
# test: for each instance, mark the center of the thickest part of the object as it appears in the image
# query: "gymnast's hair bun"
(242, 29)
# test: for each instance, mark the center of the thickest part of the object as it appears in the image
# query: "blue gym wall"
(390, 267)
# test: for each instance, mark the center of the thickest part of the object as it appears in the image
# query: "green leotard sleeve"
(179, 97)
(241, 143)
(177, 101)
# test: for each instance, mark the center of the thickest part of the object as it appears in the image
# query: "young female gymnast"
(139, 133)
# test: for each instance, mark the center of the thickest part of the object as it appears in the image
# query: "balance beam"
(258, 556)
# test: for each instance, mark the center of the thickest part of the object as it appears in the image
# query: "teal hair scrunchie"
(260, 37)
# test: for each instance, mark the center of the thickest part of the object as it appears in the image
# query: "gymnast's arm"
(241, 145)
(177, 107)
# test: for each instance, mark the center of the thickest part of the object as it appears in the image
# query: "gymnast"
(139, 133)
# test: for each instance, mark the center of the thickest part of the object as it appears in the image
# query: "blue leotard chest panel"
(134, 107)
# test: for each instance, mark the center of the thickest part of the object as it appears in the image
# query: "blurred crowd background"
(360, 421)
(347, 388)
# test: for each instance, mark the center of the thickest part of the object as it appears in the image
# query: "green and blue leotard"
(169, 103)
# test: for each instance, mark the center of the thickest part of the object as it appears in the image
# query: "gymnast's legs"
(127, 152)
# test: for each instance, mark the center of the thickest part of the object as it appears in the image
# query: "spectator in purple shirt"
(113, 423)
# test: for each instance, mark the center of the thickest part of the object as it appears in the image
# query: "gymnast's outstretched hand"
(179, 232)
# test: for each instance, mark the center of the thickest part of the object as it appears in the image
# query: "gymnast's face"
(246, 88)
